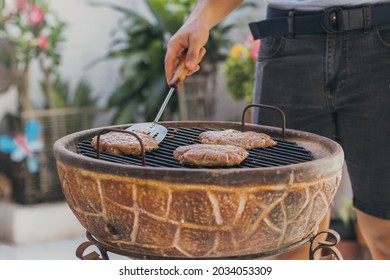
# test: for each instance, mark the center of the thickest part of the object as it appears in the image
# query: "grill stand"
(328, 247)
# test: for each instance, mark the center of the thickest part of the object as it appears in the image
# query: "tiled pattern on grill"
(284, 153)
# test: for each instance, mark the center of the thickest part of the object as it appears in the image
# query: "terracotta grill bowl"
(200, 212)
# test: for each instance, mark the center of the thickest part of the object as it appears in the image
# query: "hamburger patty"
(118, 143)
(210, 155)
(246, 140)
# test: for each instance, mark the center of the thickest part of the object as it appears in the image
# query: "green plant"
(239, 69)
(347, 213)
(64, 96)
(142, 48)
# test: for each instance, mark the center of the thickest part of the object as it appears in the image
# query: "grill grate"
(284, 153)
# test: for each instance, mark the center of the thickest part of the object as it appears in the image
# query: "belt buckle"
(331, 20)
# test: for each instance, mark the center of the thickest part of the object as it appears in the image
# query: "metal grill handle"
(267, 107)
(104, 131)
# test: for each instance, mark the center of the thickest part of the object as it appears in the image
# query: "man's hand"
(190, 37)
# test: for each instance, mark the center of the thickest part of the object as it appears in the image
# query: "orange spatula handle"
(180, 73)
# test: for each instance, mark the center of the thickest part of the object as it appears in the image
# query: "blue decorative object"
(25, 146)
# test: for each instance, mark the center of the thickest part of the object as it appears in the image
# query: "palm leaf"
(169, 14)
(128, 13)
(82, 96)
(127, 112)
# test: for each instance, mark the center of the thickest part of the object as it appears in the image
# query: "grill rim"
(322, 167)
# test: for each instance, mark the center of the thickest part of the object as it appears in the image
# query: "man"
(326, 64)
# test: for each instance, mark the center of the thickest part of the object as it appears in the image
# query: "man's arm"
(194, 33)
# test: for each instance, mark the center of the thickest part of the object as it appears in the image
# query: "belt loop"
(367, 18)
(290, 23)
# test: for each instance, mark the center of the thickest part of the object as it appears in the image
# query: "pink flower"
(255, 49)
(43, 41)
(22, 142)
(36, 15)
(255, 45)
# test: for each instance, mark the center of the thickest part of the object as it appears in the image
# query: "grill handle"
(104, 131)
(267, 107)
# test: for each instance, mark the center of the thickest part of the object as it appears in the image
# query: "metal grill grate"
(284, 153)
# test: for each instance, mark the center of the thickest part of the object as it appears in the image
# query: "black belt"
(332, 20)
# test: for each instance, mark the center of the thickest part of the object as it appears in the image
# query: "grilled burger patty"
(246, 140)
(118, 143)
(210, 155)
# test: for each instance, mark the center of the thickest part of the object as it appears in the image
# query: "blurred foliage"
(140, 42)
(347, 213)
(239, 69)
(65, 96)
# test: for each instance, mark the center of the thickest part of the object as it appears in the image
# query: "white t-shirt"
(312, 5)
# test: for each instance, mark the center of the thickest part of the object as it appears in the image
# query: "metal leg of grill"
(329, 246)
(82, 255)
(316, 250)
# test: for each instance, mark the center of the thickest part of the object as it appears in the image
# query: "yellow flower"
(238, 50)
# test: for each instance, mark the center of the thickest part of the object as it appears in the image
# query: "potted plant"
(141, 45)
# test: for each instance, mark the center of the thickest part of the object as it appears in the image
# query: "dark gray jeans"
(338, 86)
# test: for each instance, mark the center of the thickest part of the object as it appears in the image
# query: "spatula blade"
(157, 131)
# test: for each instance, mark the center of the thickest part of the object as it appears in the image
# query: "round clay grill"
(200, 212)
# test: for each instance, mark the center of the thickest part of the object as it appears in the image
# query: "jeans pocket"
(382, 35)
(271, 47)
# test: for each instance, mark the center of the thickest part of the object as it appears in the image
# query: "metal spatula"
(157, 131)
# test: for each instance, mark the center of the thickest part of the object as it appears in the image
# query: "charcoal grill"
(271, 203)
